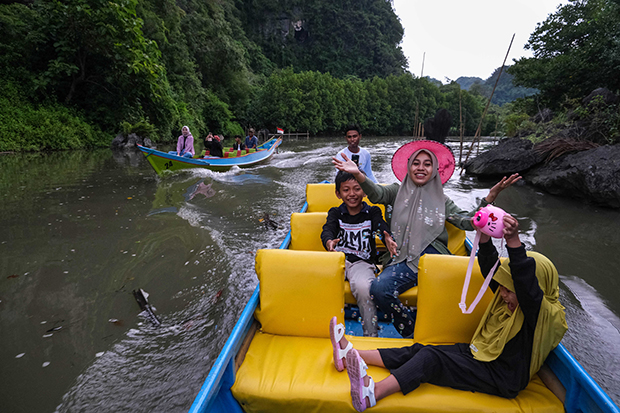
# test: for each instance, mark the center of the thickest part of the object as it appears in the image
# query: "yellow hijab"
(499, 325)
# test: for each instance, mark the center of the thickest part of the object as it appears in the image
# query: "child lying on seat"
(350, 228)
(523, 323)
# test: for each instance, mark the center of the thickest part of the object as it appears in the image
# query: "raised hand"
(348, 166)
(511, 231)
(504, 183)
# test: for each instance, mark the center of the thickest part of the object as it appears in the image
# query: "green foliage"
(152, 66)
(321, 103)
(142, 128)
(471, 107)
(576, 50)
(602, 121)
(505, 91)
(346, 37)
(25, 126)
(514, 122)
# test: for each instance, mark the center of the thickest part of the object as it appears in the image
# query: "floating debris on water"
(47, 335)
(20, 355)
(101, 353)
(47, 363)
(217, 295)
(141, 297)
(269, 223)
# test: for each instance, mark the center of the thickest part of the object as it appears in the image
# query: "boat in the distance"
(163, 161)
(278, 357)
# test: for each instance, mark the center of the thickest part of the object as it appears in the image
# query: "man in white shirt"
(357, 154)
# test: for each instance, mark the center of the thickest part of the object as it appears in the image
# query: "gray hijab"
(419, 214)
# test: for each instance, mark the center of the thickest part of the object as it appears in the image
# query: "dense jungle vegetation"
(74, 73)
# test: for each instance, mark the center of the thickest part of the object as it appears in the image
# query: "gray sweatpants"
(360, 274)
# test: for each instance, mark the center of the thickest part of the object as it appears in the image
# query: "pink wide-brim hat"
(444, 155)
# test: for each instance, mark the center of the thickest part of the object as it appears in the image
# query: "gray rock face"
(509, 156)
(593, 175)
(606, 96)
(129, 142)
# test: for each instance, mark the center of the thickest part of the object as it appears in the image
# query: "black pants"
(448, 365)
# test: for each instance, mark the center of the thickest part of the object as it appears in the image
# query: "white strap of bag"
(485, 284)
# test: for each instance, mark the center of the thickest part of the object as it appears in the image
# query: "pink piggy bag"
(490, 220)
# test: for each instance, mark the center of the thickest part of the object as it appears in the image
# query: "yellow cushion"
(322, 197)
(306, 236)
(306, 231)
(440, 282)
(297, 375)
(300, 291)
(456, 240)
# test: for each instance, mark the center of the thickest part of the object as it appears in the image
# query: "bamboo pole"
(477, 135)
(415, 123)
(460, 125)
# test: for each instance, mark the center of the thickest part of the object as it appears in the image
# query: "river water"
(80, 231)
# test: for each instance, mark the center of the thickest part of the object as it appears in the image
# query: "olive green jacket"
(386, 195)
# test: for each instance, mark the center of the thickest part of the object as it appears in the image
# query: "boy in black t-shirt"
(350, 228)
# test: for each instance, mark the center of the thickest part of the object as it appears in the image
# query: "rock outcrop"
(509, 156)
(592, 175)
(122, 142)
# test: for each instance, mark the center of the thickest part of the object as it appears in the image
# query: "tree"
(576, 50)
(344, 37)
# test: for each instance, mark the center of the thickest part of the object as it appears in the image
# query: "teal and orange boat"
(278, 357)
(163, 161)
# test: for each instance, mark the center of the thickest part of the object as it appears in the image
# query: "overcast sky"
(467, 38)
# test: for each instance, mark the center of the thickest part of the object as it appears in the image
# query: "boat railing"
(222, 374)
(583, 394)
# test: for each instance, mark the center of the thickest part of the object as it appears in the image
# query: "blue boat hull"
(163, 161)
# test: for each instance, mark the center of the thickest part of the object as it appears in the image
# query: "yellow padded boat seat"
(300, 291)
(456, 240)
(322, 197)
(297, 375)
(294, 372)
(306, 235)
(440, 283)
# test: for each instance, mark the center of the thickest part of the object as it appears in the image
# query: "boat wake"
(593, 335)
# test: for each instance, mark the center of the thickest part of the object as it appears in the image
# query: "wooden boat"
(279, 356)
(163, 161)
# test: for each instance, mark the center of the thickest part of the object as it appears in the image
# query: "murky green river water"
(80, 231)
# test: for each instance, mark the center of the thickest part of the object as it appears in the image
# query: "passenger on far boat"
(185, 144)
(213, 146)
(251, 141)
(238, 145)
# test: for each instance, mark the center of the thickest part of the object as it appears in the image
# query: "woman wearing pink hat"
(416, 210)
